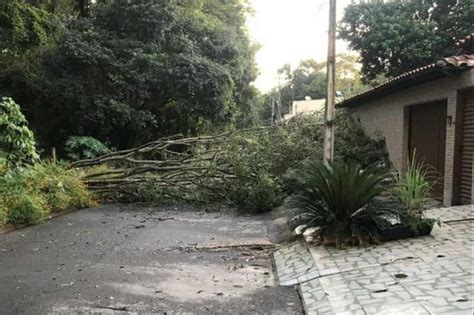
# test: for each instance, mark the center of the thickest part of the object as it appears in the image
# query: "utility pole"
(278, 102)
(328, 153)
(272, 104)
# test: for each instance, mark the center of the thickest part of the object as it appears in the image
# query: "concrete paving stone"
(438, 272)
(401, 308)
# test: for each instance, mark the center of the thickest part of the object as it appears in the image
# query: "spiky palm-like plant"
(341, 200)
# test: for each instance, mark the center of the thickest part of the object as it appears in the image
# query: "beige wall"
(388, 116)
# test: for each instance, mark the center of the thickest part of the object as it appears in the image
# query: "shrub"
(258, 160)
(3, 214)
(29, 194)
(259, 194)
(24, 209)
(353, 144)
(60, 187)
(79, 148)
(341, 200)
(16, 139)
(3, 165)
(412, 187)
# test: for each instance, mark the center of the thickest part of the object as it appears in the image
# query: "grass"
(413, 187)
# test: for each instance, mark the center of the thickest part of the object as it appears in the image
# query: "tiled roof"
(460, 62)
(464, 59)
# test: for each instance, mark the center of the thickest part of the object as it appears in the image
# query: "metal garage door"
(467, 148)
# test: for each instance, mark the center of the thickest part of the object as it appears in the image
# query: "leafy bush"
(16, 139)
(412, 187)
(29, 194)
(60, 187)
(261, 194)
(341, 201)
(3, 164)
(23, 209)
(259, 159)
(353, 144)
(79, 148)
(3, 214)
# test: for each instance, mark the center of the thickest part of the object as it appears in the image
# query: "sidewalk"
(426, 275)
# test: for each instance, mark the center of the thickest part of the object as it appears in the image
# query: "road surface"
(128, 259)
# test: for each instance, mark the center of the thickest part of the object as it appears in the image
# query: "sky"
(289, 31)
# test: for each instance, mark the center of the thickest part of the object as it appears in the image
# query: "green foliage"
(64, 9)
(23, 27)
(340, 200)
(27, 195)
(60, 187)
(3, 215)
(245, 168)
(16, 139)
(260, 159)
(413, 188)
(353, 144)
(398, 36)
(424, 226)
(137, 70)
(259, 193)
(79, 148)
(24, 210)
(3, 164)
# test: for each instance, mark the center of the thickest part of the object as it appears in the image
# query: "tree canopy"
(132, 71)
(397, 36)
(23, 27)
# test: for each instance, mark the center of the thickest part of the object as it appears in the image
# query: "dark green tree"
(137, 70)
(395, 37)
(23, 27)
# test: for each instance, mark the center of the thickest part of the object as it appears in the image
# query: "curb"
(9, 228)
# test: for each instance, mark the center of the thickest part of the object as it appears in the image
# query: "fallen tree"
(245, 168)
(166, 164)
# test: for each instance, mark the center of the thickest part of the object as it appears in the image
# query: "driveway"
(133, 260)
(425, 275)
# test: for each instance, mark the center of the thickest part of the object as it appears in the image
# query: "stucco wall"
(388, 116)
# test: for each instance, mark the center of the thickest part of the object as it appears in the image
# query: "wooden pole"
(472, 171)
(328, 153)
(53, 154)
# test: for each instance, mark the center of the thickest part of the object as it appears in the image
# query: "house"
(430, 111)
(305, 107)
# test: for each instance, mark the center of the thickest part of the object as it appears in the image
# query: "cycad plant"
(342, 201)
(413, 187)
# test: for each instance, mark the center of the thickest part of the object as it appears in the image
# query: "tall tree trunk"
(83, 7)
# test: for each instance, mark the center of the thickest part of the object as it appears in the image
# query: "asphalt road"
(136, 259)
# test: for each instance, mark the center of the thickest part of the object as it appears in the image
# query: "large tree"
(137, 70)
(397, 36)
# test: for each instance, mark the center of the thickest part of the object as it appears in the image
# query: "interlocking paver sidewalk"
(426, 275)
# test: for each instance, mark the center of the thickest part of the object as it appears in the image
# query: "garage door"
(467, 148)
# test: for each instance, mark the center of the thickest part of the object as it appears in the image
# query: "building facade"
(429, 113)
